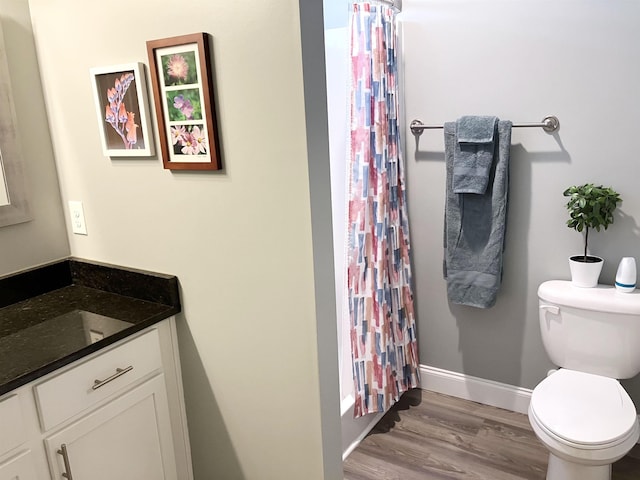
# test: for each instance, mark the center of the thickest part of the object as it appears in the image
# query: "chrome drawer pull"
(65, 458)
(119, 372)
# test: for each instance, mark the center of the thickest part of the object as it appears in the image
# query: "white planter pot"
(585, 274)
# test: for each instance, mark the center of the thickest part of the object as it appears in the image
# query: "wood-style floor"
(428, 436)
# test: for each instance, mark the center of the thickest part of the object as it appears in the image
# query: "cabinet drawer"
(12, 424)
(77, 389)
(18, 468)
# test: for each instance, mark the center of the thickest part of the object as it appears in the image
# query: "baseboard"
(476, 389)
(354, 429)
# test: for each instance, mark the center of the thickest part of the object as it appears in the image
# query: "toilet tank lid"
(602, 298)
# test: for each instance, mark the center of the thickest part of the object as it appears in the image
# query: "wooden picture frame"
(120, 94)
(183, 90)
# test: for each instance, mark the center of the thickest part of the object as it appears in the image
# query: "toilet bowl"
(581, 413)
(586, 421)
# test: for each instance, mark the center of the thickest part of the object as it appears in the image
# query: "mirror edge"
(18, 210)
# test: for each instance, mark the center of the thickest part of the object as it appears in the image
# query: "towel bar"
(548, 124)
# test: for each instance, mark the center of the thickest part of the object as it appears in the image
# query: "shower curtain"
(383, 328)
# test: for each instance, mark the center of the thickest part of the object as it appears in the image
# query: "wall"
(240, 240)
(521, 61)
(44, 238)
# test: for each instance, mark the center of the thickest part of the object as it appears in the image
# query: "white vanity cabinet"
(127, 439)
(117, 414)
(19, 467)
(16, 459)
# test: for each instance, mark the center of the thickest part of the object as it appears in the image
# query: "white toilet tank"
(592, 330)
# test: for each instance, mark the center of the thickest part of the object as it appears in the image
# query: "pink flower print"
(184, 105)
(199, 139)
(177, 134)
(125, 80)
(122, 113)
(189, 145)
(116, 113)
(130, 127)
(110, 115)
(178, 67)
(187, 110)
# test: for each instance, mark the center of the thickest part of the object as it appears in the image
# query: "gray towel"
(475, 226)
(473, 155)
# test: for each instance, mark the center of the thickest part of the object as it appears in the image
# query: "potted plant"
(590, 207)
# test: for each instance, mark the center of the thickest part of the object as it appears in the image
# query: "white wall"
(522, 60)
(43, 239)
(240, 240)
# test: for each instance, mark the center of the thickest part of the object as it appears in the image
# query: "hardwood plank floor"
(429, 436)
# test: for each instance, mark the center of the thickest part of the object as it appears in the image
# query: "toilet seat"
(582, 410)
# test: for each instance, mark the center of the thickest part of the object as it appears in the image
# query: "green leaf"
(590, 206)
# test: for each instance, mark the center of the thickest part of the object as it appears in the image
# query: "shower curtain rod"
(548, 124)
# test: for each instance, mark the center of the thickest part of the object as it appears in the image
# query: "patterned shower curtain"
(383, 328)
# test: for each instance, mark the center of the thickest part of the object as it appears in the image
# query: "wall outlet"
(78, 226)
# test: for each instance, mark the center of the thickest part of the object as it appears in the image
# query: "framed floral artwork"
(120, 94)
(183, 90)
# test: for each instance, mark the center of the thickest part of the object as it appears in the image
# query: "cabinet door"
(18, 468)
(129, 438)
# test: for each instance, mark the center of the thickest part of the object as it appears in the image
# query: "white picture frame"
(122, 108)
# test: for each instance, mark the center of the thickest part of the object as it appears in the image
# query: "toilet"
(580, 412)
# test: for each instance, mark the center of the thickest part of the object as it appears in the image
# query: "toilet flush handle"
(550, 308)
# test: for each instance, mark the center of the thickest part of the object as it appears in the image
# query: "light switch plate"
(78, 225)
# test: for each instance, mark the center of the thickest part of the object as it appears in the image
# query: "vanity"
(90, 383)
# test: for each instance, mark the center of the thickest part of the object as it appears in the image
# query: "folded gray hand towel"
(476, 129)
(475, 226)
(473, 154)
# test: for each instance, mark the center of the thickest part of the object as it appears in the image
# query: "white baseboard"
(475, 389)
(354, 429)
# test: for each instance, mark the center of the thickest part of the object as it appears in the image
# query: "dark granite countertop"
(53, 315)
